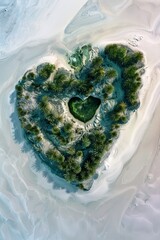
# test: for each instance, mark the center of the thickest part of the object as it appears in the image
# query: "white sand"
(123, 203)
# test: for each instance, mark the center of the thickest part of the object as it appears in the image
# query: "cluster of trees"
(68, 165)
(21, 112)
(129, 62)
(111, 73)
(73, 170)
(84, 88)
(113, 131)
(131, 84)
(51, 121)
(31, 75)
(61, 82)
(98, 141)
(119, 113)
(64, 82)
(122, 56)
(22, 116)
(45, 107)
(132, 59)
(19, 90)
(52, 117)
(96, 72)
(88, 168)
(46, 70)
(80, 161)
(85, 141)
(54, 155)
(38, 80)
(20, 106)
(107, 90)
(34, 131)
(84, 85)
(116, 53)
(92, 75)
(44, 102)
(95, 142)
(64, 134)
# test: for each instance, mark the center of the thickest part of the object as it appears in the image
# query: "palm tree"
(122, 106)
(111, 73)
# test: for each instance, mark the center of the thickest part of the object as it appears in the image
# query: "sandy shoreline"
(30, 203)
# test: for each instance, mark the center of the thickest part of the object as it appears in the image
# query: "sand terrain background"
(124, 203)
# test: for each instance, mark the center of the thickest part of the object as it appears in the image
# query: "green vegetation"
(46, 70)
(107, 90)
(86, 141)
(83, 110)
(55, 155)
(111, 73)
(131, 84)
(31, 75)
(119, 113)
(122, 55)
(106, 83)
(129, 62)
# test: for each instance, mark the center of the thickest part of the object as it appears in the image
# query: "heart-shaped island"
(72, 117)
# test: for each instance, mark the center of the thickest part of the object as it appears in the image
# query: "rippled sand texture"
(124, 203)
